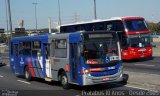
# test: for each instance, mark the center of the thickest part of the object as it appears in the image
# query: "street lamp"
(35, 4)
(95, 13)
(6, 15)
(59, 11)
(9, 17)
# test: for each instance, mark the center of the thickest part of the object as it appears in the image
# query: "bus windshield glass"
(135, 25)
(139, 41)
(100, 51)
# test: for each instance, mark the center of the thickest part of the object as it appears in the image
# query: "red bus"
(133, 33)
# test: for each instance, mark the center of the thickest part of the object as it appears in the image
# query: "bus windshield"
(100, 52)
(135, 25)
(140, 41)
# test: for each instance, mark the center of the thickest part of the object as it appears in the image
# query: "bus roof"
(30, 38)
(101, 20)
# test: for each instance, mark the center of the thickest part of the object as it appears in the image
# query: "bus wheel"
(125, 78)
(64, 81)
(27, 74)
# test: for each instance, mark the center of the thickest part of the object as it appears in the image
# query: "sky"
(82, 9)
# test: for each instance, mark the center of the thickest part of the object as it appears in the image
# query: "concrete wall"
(156, 39)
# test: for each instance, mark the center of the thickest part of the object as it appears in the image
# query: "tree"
(154, 27)
(3, 38)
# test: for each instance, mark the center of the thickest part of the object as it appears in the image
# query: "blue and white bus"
(81, 58)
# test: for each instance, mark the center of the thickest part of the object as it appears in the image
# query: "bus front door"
(74, 61)
(15, 58)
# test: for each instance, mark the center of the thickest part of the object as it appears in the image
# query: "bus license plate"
(106, 79)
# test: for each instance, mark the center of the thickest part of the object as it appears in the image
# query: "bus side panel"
(37, 67)
(32, 63)
(59, 64)
(54, 73)
(59, 57)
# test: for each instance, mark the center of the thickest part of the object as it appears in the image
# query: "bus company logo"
(111, 68)
(21, 62)
(12, 59)
(107, 60)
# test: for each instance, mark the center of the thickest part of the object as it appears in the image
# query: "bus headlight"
(125, 53)
(150, 50)
(120, 69)
(85, 71)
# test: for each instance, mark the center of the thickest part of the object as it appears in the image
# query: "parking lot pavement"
(156, 51)
(144, 80)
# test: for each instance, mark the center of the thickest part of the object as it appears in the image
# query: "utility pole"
(35, 4)
(95, 13)
(76, 16)
(6, 15)
(59, 12)
(152, 18)
(49, 24)
(9, 17)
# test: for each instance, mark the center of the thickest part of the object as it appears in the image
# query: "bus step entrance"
(48, 79)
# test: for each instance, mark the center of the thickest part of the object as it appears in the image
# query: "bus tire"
(125, 78)
(64, 81)
(27, 74)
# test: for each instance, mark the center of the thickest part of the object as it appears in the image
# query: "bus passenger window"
(36, 44)
(82, 28)
(101, 26)
(52, 47)
(119, 26)
(60, 48)
(21, 48)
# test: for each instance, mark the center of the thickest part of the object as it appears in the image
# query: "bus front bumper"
(91, 80)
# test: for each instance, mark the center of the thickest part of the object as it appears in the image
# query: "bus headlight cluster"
(120, 69)
(125, 53)
(85, 71)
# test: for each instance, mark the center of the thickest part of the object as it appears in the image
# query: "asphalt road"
(9, 83)
(150, 66)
